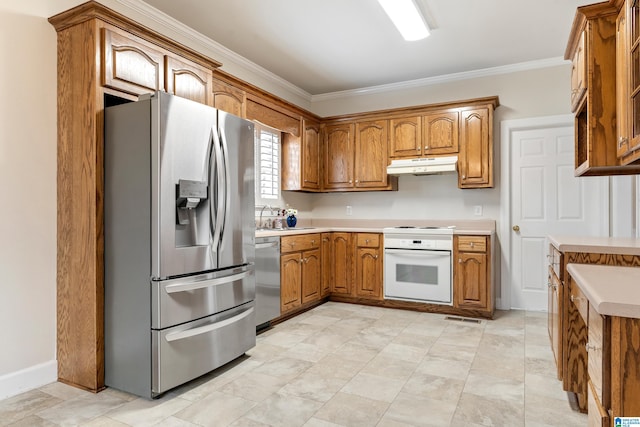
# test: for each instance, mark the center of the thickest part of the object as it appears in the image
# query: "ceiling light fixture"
(406, 16)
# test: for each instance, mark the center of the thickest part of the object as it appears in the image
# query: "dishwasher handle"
(267, 245)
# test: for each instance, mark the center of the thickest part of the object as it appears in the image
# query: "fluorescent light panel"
(406, 16)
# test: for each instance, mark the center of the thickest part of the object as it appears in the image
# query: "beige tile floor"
(346, 365)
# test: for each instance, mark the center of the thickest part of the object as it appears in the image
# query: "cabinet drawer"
(368, 240)
(472, 243)
(598, 356)
(301, 242)
(579, 300)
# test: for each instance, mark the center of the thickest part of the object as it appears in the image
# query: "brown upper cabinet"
(430, 134)
(135, 66)
(370, 154)
(628, 82)
(475, 160)
(339, 141)
(229, 98)
(355, 156)
(301, 158)
(600, 48)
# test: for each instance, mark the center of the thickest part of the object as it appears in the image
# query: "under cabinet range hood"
(423, 166)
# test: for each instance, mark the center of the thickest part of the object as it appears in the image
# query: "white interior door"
(546, 198)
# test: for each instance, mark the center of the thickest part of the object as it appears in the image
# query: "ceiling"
(324, 46)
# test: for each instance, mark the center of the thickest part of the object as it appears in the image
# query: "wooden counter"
(604, 335)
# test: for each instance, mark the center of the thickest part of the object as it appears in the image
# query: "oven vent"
(462, 319)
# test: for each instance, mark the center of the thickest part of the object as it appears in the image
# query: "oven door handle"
(419, 252)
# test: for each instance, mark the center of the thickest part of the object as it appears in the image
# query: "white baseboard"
(27, 379)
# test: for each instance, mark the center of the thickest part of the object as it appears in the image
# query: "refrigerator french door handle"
(174, 336)
(191, 286)
(218, 208)
(227, 180)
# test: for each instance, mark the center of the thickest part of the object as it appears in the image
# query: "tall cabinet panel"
(97, 61)
(338, 156)
(371, 156)
(475, 161)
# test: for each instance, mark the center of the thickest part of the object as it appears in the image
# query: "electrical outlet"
(349, 210)
(477, 210)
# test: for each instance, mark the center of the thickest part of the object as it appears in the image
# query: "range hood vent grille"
(423, 166)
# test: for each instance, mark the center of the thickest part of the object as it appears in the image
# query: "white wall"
(28, 194)
(533, 93)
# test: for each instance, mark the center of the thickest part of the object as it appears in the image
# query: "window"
(267, 163)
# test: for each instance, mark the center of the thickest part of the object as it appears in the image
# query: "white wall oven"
(417, 264)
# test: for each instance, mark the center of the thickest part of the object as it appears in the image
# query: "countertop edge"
(602, 245)
(588, 282)
(290, 232)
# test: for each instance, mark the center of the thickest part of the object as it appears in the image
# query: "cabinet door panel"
(311, 274)
(440, 133)
(342, 273)
(327, 263)
(228, 98)
(471, 280)
(189, 80)
(369, 272)
(311, 156)
(371, 154)
(338, 156)
(405, 139)
(290, 275)
(130, 64)
(475, 161)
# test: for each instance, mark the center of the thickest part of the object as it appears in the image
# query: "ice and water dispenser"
(192, 213)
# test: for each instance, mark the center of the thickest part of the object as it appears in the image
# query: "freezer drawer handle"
(183, 287)
(175, 336)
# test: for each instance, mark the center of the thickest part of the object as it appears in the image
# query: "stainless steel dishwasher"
(267, 300)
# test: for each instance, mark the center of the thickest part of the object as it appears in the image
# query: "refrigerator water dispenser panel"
(189, 194)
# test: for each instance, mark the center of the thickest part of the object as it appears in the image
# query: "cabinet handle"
(313, 242)
(588, 347)
(622, 141)
(575, 298)
(325, 240)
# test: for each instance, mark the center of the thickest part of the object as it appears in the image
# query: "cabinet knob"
(313, 242)
(418, 149)
(471, 244)
(459, 260)
(357, 181)
(375, 257)
(426, 147)
(574, 298)
(464, 176)
(366, 241)
(516, 228)
(325, 240)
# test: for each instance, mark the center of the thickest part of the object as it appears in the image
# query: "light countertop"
(612, 290)
(464, 227)
(600, 245)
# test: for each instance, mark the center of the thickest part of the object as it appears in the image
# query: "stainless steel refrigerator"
(179, 238)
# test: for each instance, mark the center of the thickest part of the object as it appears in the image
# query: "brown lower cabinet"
(472, 273)
(300, 271)
(604, 360)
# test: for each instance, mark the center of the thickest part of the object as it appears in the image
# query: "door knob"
(516, 228)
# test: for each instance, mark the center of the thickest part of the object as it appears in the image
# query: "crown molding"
(211, 46)
(429, 81)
